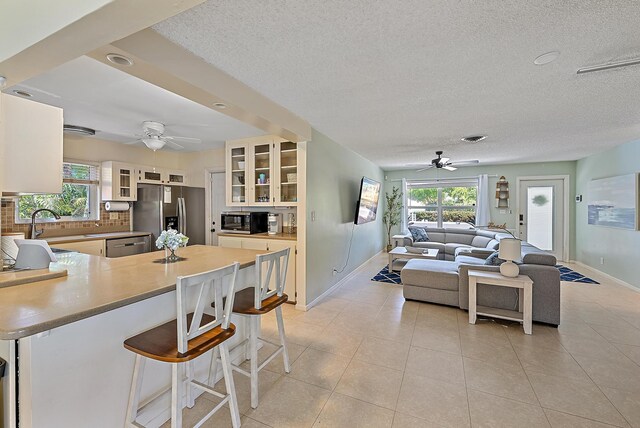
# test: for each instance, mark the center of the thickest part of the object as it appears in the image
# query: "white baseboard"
(336, 285)
(606, 275)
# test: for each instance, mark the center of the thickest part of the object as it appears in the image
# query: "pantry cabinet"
(31, 134)
(261, 172)
(268, 245)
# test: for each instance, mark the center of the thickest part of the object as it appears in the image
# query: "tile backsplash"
(61, 228)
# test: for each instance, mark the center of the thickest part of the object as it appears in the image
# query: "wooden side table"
(521, 282)
(398, 240)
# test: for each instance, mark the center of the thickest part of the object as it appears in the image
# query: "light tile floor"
(365, 357)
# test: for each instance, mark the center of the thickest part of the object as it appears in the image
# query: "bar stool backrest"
(210, 290)
(266, 264)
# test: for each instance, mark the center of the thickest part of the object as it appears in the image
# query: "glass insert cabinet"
(261, 173)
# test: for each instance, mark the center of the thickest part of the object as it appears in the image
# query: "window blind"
(77, 173)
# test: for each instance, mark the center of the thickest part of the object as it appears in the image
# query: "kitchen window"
(447, 203)
(79, 200)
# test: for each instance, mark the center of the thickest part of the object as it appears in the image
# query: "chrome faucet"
(35, 232)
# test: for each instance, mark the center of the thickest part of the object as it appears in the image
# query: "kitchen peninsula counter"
(63, 338)
(91, 237)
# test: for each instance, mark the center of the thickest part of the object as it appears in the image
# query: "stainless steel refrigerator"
(160, 207)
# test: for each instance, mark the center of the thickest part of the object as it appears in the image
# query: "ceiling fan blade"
(173, 145)
(449, 168)
(463, 163)
(188, 140)
(425, 168)
(132, 142)
(443, 161)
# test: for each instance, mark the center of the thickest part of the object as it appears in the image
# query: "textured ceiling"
(115, 104)
(395, 80)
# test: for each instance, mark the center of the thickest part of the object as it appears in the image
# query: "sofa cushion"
(438, 274)
(494, 260)
(419, 234)
(480, 241)
(460, 237)
(469, 260)
(430, 244)
(535, 256)
(493, 244)
(451, 248)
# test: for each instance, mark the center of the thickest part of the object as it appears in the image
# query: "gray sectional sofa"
(446, 281)
(449, 240)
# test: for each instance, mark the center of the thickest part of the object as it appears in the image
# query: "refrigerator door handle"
(184, 216)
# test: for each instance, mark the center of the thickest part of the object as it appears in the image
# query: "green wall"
(619, 248)
(333, 183)
(511, 172)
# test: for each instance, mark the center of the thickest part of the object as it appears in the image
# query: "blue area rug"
(385, 276)
(566, 274)
(570, 275)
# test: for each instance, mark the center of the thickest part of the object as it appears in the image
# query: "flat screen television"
(367, 206)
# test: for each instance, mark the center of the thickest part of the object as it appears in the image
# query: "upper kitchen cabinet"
(236, 173)
(31, 134)
(152, 175)
(118, 181)
(286, 173)
(262, 171)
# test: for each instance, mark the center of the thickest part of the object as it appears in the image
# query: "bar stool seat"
(244, 302)
(161, 343)
(182, 340)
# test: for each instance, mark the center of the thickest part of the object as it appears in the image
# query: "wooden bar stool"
(186, 338)
(253, 302)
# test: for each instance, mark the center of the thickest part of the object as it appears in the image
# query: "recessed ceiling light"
(78, 130)
(546, 58)
(473, 138)
(120, 59)
(22, 93)
(220, 105)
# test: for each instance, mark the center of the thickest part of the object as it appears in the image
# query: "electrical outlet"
(601, 260)
(113, 216)
(335, 271)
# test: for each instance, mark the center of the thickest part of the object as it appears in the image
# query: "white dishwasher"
(120, 247)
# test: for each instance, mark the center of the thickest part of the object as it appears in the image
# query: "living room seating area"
(447, 281)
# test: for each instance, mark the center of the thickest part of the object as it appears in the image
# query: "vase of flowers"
(171, 240)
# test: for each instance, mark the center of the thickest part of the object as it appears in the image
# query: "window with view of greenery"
(78, 200)
(442, 204)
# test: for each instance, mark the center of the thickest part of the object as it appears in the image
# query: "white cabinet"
(268, 245)
(286, 173)
(31, 134)
(261, 172)
(151, 175)
(236, 174)
(118, 181)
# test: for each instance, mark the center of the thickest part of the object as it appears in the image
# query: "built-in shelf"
(238, 170)
(289, 167)
(263, 184)
(290, 183)
(288, 150)
(237, 185)
(237, 156)
(262, 169)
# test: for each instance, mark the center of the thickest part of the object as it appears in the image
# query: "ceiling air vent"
(473, 138)
(81, 130)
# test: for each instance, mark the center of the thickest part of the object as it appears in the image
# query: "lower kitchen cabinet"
(268, 245)
(94, 247)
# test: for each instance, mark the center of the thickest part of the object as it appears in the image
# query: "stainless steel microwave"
(244, 222)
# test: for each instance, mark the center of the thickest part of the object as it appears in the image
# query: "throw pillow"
(419, 234)
(494, 260)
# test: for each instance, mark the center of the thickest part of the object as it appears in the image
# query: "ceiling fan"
(444, 163)
(153, 137)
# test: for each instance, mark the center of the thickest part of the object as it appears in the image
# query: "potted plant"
(171, 240)
(392, 212)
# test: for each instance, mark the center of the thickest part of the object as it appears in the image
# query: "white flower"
(171, 239)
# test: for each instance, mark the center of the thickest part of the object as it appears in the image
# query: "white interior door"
(541, 216)
(218, 204)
